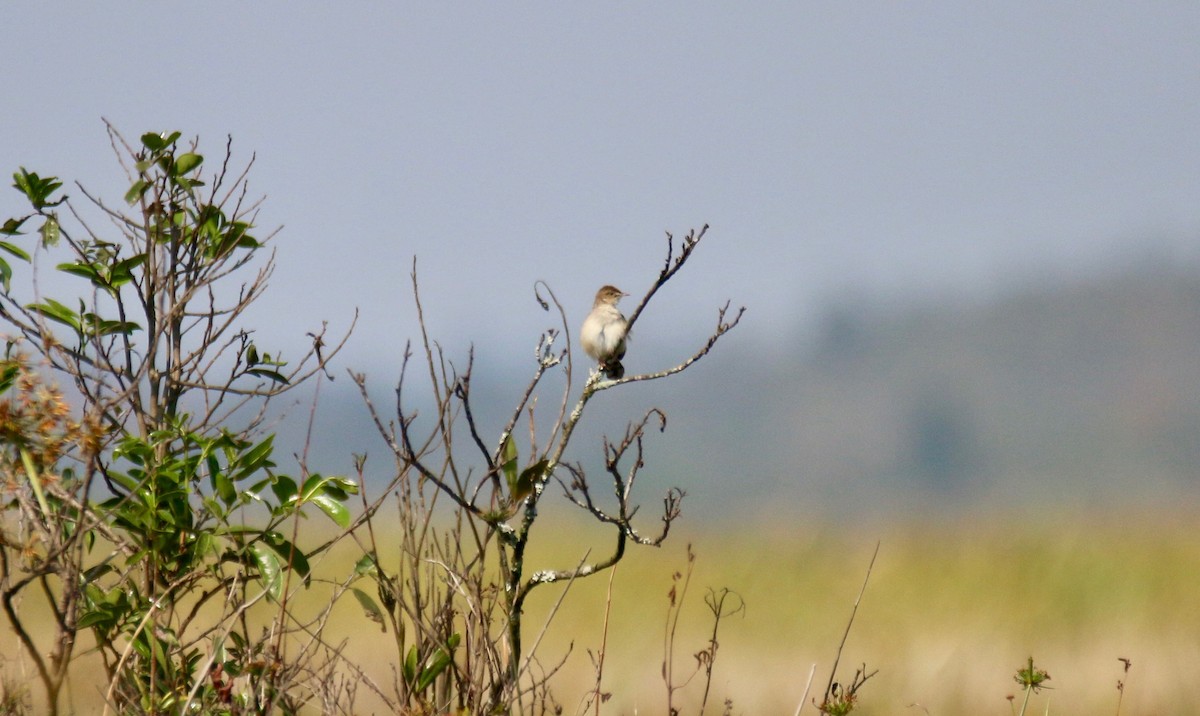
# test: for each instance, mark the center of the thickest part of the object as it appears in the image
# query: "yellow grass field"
(951, 611)
(953, 608)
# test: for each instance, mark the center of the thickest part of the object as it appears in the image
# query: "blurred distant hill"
(1077, 393)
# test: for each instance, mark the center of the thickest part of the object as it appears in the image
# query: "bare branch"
(670, 268)
(722, 328)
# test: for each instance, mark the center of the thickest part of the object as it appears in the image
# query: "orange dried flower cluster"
(36, 419)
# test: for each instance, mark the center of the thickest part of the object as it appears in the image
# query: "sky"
(874, 148)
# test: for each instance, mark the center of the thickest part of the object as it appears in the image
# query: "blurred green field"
(952, 609)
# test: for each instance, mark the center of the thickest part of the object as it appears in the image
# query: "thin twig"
(604, 640)
(853, 612)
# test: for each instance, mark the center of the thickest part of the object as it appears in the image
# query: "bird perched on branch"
(604, 332)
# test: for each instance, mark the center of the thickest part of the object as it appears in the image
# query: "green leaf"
(87, 271)
(334, 485)
(14, 250)
(257, 458)
(409, 669)
(103, 327)
(12, 227)
(37, 189)
(136, 191)
(285, 489)
(123, 480)
(96, 617)
(528, 479)
(8, 375)
(311, 486)
(288, 554)
(5, 275)
(366, 565)
(55, 311)
(330, 506)
(206, 545)
(186, 163)
(157, 141)
(337, 487)
(255, 491)
(508, 456)
(269, 569)
(441, 659)
(370, 608)
(122, 271)
(328, 494)
(152, 141)
(125, 328)
(91, 574)
(223, 485)
(269, 374)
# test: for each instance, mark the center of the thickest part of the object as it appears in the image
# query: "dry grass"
(953, 608)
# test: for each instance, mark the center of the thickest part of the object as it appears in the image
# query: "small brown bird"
(604, 332)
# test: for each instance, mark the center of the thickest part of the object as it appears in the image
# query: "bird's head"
(609, 294)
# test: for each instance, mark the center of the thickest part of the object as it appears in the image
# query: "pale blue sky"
(834, 147)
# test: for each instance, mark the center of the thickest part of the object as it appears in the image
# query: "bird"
(604, 332)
